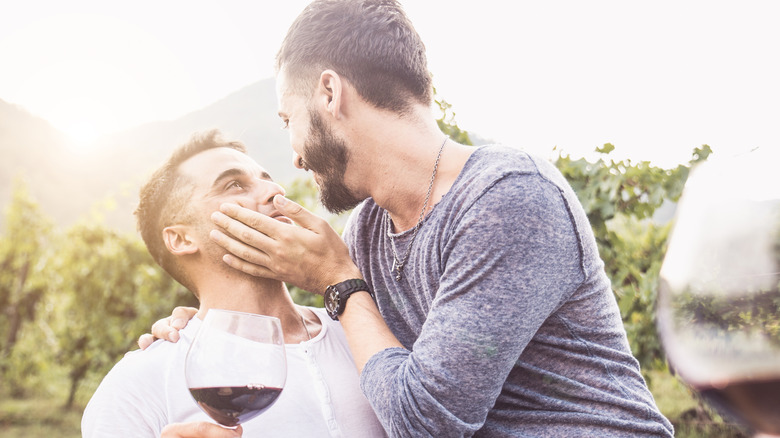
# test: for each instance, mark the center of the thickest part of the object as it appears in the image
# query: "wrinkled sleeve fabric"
(508, 259)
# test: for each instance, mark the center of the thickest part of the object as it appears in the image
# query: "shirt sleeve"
(127, 403)
(510, 259)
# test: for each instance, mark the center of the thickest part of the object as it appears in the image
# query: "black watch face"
(332, 300)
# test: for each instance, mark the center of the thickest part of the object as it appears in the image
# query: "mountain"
(248, 115)
(68, 184)
(30, 148)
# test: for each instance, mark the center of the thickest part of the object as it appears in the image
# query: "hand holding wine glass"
(236, 367)
(199, 429)
(719, 297)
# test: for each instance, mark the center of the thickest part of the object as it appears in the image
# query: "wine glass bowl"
(719, 295)
(236, 366)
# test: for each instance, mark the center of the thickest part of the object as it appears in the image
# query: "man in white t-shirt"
(145, 394)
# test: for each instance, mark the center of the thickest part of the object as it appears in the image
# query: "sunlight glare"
(82, 135)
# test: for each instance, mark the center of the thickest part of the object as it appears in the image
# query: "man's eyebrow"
(282, 114)
(238, 172)
(227, 174)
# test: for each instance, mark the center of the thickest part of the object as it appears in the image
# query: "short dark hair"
(164, 197)
(371, 43)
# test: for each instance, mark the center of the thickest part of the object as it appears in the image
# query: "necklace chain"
(398, 265)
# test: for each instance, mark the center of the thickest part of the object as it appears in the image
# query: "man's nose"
(298, 161)
(266, 190)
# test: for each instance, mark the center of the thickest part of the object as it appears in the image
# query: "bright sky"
(654, 78)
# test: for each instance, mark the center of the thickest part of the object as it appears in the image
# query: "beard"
(327, 156)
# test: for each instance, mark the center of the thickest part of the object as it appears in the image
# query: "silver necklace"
(398, 265)
(304, 325)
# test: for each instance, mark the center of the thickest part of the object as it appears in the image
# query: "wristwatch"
(336, 295)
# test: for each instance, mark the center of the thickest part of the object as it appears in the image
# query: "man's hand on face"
(311, 256)
(168, 327)
(199, 429)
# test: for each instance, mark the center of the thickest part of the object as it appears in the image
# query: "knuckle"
(253, 221)
(278, 253)
(245, 254)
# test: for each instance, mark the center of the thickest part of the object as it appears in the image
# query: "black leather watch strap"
(336, 295)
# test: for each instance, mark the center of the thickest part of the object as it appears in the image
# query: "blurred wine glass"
(719, 300)
(236, 367)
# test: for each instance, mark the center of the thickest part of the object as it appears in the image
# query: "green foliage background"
(74, 301)
(620, 199)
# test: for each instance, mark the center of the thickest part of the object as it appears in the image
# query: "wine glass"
(236, 367)
(719, 294)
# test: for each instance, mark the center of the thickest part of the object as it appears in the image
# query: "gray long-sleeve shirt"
(506, 313)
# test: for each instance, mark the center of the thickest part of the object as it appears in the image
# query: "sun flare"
(82, 135)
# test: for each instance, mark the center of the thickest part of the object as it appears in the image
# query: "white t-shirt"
(146, 390)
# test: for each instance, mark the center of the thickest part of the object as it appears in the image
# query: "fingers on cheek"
(230, 260)
(252, 222)
(237, 263)
(256, 271)
(246, 235)
(229, 227)
(233, 218)
(243, 266)
(230, 230)
(220, 219)
(217, 236)
(245, 253)
(225, 242)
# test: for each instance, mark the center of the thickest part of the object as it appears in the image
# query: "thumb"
(296, 212)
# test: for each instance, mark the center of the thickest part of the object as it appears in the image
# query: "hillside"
(67, 184)
(32, 149)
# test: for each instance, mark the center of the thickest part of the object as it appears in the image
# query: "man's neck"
(252, 295)
(400, 184)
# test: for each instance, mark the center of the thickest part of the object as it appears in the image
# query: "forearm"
(407, 402)
(395, 381)
(366, 331)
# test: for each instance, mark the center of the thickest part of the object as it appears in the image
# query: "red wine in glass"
(236, 366)
(752, 402)
(232, 405)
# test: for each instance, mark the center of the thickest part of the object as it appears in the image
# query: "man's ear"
(331, 92)
(178, 241)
